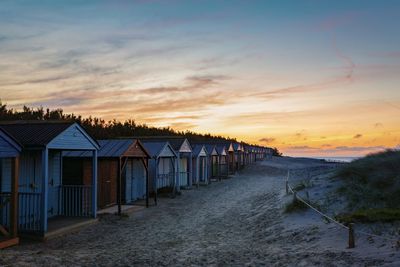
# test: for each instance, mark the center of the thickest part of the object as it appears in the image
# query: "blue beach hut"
(162, 167)
(46, 191)
(9, 163)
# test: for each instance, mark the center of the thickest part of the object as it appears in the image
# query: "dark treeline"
(101, 129)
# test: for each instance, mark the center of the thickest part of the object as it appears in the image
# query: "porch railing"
(165, 180)
(75, 200)
(5, 209)
(29, 215)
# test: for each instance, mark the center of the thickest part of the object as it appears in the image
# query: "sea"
(338, 159)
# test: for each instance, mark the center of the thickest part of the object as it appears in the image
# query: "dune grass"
(372, 187)
(370, 216)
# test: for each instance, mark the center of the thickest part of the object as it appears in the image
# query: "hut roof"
(156, 148)
(175, 141)
(34, 133)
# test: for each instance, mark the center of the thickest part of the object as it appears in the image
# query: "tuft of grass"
(370, 216)
(295, 206)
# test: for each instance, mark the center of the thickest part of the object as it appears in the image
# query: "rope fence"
(350, 228)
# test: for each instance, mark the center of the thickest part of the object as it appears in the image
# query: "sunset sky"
(309, 77)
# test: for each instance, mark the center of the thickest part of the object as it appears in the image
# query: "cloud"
(357, 136)
(303, 148)
(267, 140)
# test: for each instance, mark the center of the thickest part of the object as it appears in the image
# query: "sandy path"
(237, 222)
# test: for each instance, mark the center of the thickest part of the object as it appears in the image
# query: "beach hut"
(50, 190)
(9, 166)
(213, 162)
(183, 150)
(238, 156)
(231, 158)
(223, 159)
(200, 165)
(122, 171)
(162, 167)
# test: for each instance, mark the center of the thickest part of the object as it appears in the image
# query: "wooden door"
(107, 183)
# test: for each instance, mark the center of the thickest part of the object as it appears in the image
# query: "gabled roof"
(175, 141)
(197, 150)
(119, 147)
(34, 133)
(211, 148)
(155, 149)
(221, 149)
(112, 148)
(31, 134)
(8, 146)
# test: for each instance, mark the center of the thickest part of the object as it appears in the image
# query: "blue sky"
(306, 76)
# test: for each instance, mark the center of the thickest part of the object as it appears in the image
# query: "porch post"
(155, 180)
(45, 187)
(94, 183)
(178, 169)
(119, 187)
(190, 162)
(197, 171)
(14, 197)
(147, 182)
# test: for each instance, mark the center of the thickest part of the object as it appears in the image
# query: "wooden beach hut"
(223, 159)
(162, 167)
(48, 192)
(200, 165)
(231, 158)
(122, 171)
(10, 150)
(213, 162)
(183, 150)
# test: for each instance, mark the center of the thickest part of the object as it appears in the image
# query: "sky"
(311, 77)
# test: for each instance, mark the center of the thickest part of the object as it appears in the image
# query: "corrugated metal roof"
(220, 149)
(154, 148)
(175, 141)
(32, 134)
(210, 148)
(197, 149)
(114, 147)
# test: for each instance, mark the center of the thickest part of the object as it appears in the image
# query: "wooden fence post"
(351, 235)
(287, 187)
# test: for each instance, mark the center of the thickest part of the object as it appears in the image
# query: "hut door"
(139, 179)
(54, 183)
(183, 169)
(128, 182)
(108, 183)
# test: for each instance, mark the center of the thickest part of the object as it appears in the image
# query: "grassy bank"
(372, 187)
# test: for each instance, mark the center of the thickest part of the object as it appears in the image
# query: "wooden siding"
(135, 150)
(202, 152)
(5, 175)
(166, 152)
(7, 147)
(73, 137)
(185, 147)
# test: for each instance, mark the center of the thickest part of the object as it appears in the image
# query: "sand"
(235, 222)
